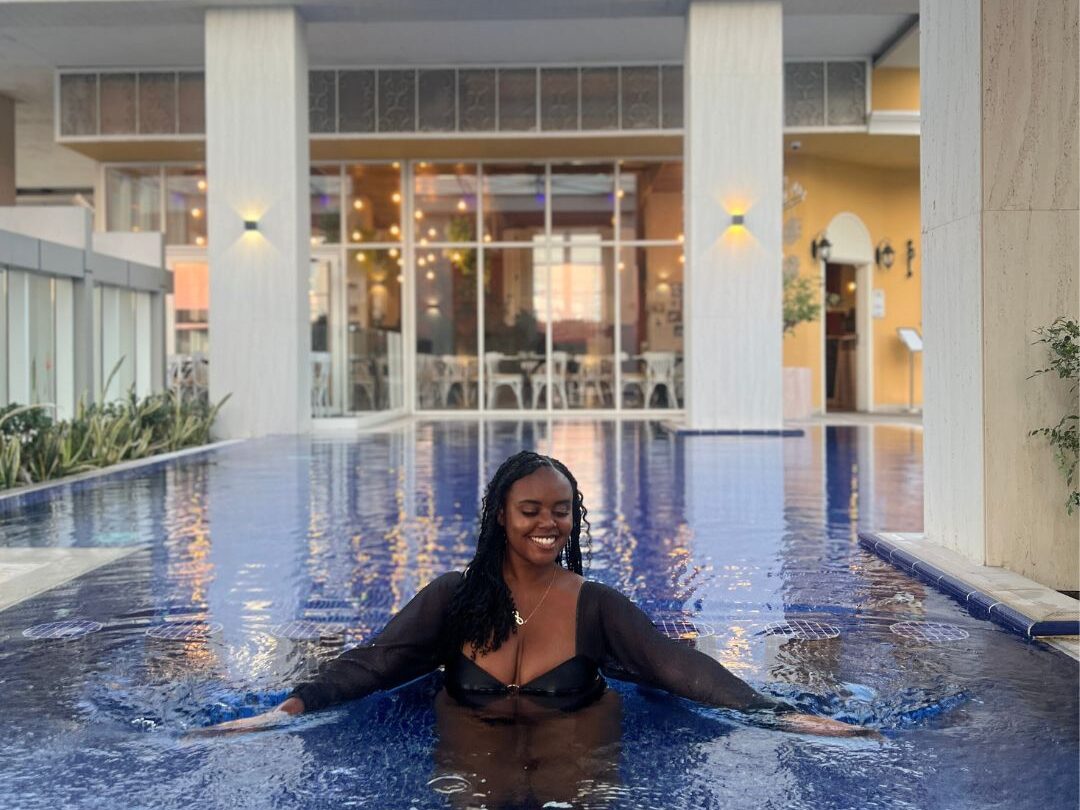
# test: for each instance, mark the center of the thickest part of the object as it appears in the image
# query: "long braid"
(482, 607)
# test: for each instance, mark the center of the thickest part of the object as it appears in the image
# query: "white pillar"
(734, 165)
(7, 150)
(257, 169)
(1000, 255)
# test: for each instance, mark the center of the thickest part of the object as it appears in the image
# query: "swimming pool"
(264, 557)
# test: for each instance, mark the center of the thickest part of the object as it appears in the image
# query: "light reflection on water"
(731, 533)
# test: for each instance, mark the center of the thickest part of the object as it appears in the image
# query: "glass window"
(78, 104)
(583, 200)
(191, 307)
(650, 200)
(185, 206)
(373, 202)
(513, 202)
(157, 103)
(117, 340)
(373, 324)
(5, 361)
(581, 283)
(133, 199)
(325, 205)
(444, 202)
(651, 314)
(117, 103)
(446, 328)
(514, 328)
(42, 331)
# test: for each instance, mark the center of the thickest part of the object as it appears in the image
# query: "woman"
(521, 624)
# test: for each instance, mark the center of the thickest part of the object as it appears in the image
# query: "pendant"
(517, 618)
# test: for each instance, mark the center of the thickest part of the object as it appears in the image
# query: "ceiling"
(861, 148)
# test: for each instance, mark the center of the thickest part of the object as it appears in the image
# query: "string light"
(396, 197)
(430, 275)
(393, 253)
(358, 204)
(201, 185)
(462, 205)
(196, 213)
(357, 236)
(360, 257)
(418, 214)
(432, 233)
(394, 230)
(200, 241)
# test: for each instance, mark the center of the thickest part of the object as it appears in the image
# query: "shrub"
(1062, 340)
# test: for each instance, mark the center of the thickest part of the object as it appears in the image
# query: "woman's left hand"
(824, 727)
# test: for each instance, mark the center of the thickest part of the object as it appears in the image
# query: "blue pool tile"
(928, 572)
(979, 604)
(905, 559)
(1011, 618)
(1055, 628)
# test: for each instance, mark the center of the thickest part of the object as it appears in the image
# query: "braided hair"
(482, 607)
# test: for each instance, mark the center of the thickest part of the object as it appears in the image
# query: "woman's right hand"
(260, 722)
(823, 726)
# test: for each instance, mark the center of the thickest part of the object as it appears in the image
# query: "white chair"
(453, 372)
(594, 373)
(320, 384)
(633, 377)
(427, 380)
(659, 373)
(538, 379)
(495, 379)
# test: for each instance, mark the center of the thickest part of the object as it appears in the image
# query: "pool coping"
(680, 429)
(29, 572)
(1002, 596)
(161, 458)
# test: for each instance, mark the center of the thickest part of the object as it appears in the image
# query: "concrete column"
(257, 170)
(7, 150)
(82, 309)
(1000, 253)
(734, 166)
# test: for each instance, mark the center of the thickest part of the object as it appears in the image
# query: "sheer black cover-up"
(614, 638)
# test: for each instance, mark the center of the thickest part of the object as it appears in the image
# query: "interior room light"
(396, 165)
(393, 253)
(462, 205)
(487, 237)
(201, 185)
(360, 257)
(432, 232)
(884, 255)
(200, 241)
(196, 213)
(851, 286)
(821, 248)
(682, 258)
(357, 236)
(358, 204)
(430, 275)
(422, 262)
(396, 197)
(431, 257)
(418, 214)
(394, 230)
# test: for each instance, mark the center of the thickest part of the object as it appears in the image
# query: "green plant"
(800, 302)
(1062, 340)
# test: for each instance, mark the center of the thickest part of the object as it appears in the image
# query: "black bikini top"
(614, 637)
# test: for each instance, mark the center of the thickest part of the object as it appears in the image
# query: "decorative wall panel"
(157, 103)
(356, 101)
(191, 103)
(322, 100)
(397, 101)
(600, 98)
(671, 97)
(78, 104)
(117, 105)
(847, 94)
(559, 99)
(437, 100)
(476, 100)
(804, 94)
(640, 91)
(517, 99)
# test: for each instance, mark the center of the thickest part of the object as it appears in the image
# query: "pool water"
(252, 563)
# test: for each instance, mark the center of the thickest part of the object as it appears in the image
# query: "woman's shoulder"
(599, 592)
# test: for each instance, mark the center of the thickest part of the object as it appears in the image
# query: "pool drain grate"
(69, 628)
(305, 631)
(184, 631)
(802, 629)
(933, 632)
(683, 629)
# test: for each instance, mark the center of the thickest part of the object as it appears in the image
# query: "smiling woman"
(521, 628)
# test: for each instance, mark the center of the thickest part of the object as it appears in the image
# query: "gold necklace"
(517, 616)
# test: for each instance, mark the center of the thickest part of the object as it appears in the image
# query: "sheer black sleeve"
(406, 649)
(633, 649)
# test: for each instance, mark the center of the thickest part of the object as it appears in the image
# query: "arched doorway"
(847, 328)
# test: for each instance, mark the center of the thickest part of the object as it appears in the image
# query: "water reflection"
(730, 534)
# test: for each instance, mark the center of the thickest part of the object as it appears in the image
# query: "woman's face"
(538, 516)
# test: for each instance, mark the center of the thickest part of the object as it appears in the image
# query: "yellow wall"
(894, 89)
(887, 201)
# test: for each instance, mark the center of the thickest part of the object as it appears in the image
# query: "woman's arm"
(635, 649)
(406, 649)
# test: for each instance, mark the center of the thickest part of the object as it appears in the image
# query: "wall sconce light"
(884, 255)
(251, 224)
(910, 257)
(738, 219)
(821, 248)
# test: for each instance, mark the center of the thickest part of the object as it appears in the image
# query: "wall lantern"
(884, 255)
(821, 248)
(251, 224)
(910, 257)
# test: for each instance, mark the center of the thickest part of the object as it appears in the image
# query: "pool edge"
(1017, 603)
